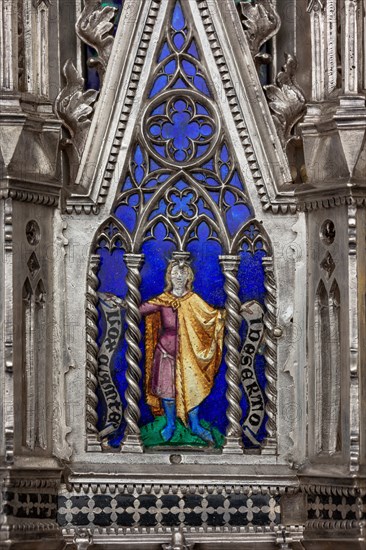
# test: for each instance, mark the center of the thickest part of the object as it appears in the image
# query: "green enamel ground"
(151, 435)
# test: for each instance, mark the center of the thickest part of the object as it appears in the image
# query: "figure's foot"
(203, 434)
(197, 429)
(167, 432)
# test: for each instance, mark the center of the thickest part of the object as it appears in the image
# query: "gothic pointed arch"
(28, 382)
(236, 90)
(327, 369)
(322, 363)
(333, 432)
(181, 193)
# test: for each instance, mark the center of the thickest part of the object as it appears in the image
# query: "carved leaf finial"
(74, 107)
(261, 22)
(94, 27)
(286, 100)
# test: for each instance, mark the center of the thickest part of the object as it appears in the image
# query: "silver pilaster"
(351, 39)
(9, 38)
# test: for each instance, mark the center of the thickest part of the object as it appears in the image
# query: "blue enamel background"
(208, 283)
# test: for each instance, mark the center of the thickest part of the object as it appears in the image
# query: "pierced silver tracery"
(157, 129)
(162, 184)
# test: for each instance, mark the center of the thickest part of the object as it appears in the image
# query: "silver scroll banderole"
(252, 312)
(111, 311)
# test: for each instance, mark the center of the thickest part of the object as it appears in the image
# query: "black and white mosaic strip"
(335, 507)
(30, 505)
(167, 510)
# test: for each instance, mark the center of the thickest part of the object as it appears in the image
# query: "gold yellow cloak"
(199, 350)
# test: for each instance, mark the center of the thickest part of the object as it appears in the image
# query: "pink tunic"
(163, 373)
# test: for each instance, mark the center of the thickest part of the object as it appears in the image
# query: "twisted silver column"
(92, 436)
(233, 442)
(132, 440)
(270, 354)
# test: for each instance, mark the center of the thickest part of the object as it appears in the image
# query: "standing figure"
(183, 347)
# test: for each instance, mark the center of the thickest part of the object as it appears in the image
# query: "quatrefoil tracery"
(182, 174)
(182, 204)
(181, 129)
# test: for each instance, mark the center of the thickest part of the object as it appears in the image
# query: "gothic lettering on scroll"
(113, 333)
(253, 314)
